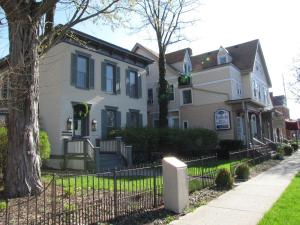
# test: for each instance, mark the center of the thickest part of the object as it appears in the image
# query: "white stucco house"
(87, 89)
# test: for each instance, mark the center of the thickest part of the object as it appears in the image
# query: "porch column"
(260, 132)
(246, 123)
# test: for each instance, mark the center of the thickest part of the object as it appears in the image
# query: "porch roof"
(245, 100)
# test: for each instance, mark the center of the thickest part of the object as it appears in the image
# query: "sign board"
(278, 122)
(222, 119)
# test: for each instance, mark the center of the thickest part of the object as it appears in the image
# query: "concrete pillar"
(176, 191)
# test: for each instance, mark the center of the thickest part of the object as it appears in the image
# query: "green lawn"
(286, 211)
(125, 183)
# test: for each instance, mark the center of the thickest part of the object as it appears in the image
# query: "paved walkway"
(247, 203)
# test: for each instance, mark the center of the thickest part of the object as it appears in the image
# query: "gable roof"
(278, 100)
(177, 56)
(243, 57)
(155, 56)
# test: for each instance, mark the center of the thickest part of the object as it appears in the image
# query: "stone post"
(176, 191)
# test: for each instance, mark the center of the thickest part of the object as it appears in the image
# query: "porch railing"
(119, 147)
(83, 149)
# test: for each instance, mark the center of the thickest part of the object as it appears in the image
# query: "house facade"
(89, 88)
(224, 90)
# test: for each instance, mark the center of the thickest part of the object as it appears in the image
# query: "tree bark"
(23, 161)
(163, 91)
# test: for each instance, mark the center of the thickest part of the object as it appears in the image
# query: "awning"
(292, 125)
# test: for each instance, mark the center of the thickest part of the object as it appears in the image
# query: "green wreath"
(81, 110)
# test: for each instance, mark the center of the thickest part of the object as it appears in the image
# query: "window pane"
(134, 119)
(111, 118)
(82, 72)
(133, 85)
(187, 96)
(109, 78)
(150, 96)
(171, 92)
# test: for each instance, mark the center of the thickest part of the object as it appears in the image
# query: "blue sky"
(275, 23)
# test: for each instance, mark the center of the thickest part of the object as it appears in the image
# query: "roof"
(99, 46)
(102, 46)
(243, 57)
(278, 100)
(177, 56)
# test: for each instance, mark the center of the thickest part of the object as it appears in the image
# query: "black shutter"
(139, 85)
(73, 69)
(118, 120)
(118, 81)
(128, 122)
(104, 123)
(127, 83)
(91, 73)
(103, 76)
(140, 120)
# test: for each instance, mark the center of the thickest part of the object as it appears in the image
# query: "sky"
(275, 23)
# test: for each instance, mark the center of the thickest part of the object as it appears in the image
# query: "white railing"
(75, 146)
(85, 149)
(258, 142)
(109, 146)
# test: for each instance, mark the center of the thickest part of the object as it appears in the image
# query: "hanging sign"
(222, 119)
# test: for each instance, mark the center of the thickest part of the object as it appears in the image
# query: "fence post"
(115, 193)
(202, 172)
(154, 186)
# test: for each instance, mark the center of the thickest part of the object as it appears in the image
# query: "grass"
(130, 184)
(286, 210)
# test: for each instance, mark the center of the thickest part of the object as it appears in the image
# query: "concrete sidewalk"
(247, 203)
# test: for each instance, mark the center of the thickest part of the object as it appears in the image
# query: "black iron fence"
(88, 199)
(252, 157)
(202, 172)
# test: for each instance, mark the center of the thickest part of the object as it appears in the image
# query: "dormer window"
(187, 64)
(223, 56)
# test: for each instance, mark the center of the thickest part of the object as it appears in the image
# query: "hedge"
(169, 140)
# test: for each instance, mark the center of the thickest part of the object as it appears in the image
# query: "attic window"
(222, 60)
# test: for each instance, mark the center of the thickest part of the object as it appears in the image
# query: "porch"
(81, 154)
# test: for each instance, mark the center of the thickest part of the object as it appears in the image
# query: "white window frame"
(173, 93)
(187, 124)
(181, 96)
(112, 78)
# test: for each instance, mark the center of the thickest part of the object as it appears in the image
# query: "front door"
(81, 125)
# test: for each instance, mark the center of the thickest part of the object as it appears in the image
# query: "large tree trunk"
(163, 91)
(23, 162)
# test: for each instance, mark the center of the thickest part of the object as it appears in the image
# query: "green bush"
(242, 172)
(295, 146)
(227, 146)
(3, 148)
(224, 179)
(3, 205)
(45, 147)
(288, 150)
(169, 140)
(279, 154)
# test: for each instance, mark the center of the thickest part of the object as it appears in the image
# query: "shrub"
(224, 179)
(295, 146)
(288, 150)
(167, 140)
(228, 145)
(242, 172)
(45, 147)
(3, 148)
(279, 154)
(3, 205)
